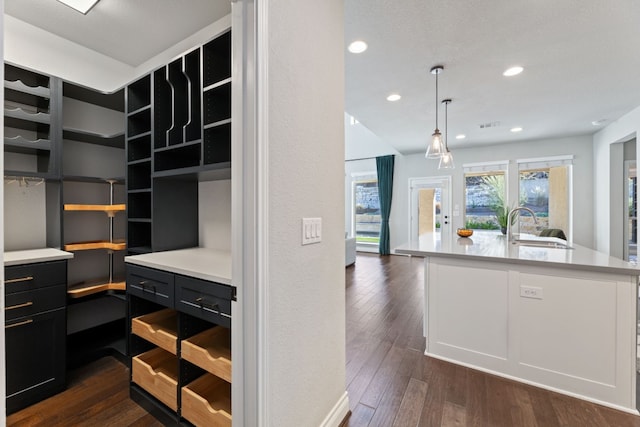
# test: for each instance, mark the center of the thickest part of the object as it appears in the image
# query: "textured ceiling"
(130, 31)
(581, 60)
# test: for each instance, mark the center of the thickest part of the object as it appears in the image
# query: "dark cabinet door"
(35, 350)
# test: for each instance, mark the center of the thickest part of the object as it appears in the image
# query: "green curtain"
(384, 166)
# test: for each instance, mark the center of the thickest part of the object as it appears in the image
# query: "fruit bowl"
(464, 232)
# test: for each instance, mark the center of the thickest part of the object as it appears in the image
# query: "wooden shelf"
(207, 401)
(116, 245)
(89, 288)
(96, 208)
(210, 350)
(159, 328)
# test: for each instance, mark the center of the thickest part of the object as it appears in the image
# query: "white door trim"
(430, 182)
(250, 210)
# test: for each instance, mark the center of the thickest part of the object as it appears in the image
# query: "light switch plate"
(311, 230)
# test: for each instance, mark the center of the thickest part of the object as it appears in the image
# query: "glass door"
(429, 206)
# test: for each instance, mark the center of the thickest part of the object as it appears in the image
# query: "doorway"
(429, 206)
(630, 212)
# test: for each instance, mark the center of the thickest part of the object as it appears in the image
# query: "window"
(545, 188)
(366, 209)
(485, 195)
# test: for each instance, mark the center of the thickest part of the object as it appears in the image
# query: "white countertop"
(493, 246)
(32, 256)
(202, 263)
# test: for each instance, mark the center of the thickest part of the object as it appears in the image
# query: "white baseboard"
(337, 413)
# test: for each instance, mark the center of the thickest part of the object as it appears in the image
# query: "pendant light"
(435, 148)
(446, 161)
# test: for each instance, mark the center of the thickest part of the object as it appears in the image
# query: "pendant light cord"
(446, 126)
(437, 99)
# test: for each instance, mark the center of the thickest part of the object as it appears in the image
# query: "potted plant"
(502, 216)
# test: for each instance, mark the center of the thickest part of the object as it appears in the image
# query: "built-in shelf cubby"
(178, 132)
(162, 107)
(32, 110)
(217, 144)
(193, 128)
(139, 123)
(217, 59)
(139, 94)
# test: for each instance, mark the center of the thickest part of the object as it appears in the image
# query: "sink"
(542, 243)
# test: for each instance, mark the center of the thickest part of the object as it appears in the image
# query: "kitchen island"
(559, 318)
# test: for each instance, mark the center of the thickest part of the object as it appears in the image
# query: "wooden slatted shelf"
(89, 288)
(116, 245)
(210, 350)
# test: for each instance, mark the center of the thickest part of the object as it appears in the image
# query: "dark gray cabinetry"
(178, 133)
(182, 318)
(35, 332)
(32, 131)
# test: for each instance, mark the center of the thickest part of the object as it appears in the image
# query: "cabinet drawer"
(205, 300)
(150, 284)
(27, 303)
(19, 278)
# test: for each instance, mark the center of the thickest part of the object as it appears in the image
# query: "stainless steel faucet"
(510, 216)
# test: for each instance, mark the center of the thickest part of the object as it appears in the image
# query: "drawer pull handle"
(24, 322)
(19, 279)
(26, 304)
(145, 287)
(203, 304)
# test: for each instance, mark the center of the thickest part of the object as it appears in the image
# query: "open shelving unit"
(32, 112)
(111, 245)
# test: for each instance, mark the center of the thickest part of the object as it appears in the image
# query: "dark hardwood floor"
(391, 383)
(97, 396)
(389, 380)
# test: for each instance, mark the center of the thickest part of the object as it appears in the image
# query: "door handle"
(26, 304)
(24, 322)
(19, 279)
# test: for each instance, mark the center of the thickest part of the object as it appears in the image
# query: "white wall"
(415, 166)
(214, 214)
(306, 295)
(623, 129)
(362, 142)
(34, 48)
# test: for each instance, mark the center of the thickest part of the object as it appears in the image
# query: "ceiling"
(130, 31)
(581, 62)
(581, 59)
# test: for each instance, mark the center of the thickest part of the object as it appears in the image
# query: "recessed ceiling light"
(357, 46)
(513, 71)
(516, 129)
(461, 136)
(393, 97)
(82, 6)
(599, 122)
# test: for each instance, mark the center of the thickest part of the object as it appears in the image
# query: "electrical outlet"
(311, 230)
(531, 292)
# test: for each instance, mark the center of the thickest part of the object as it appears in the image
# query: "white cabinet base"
(570, 331)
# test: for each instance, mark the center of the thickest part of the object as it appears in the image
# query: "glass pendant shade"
(446, 161)
(435, 150)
